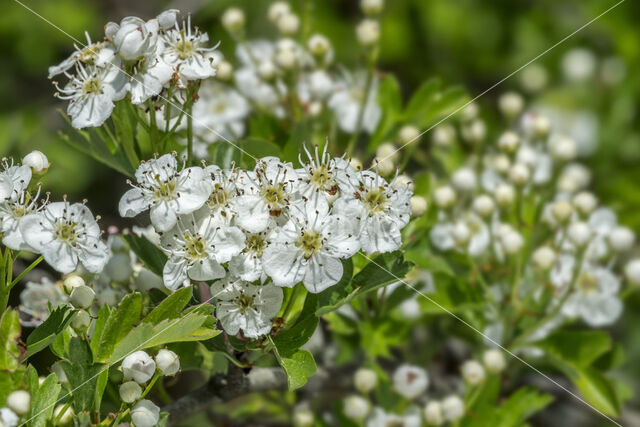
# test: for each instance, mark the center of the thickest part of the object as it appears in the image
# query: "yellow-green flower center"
(245, 302)
(274, 194)
(67, 232)
(195, 247)
(309, 242)
(321, 176)
(255, 244)
(165, 190)
(219, 197)
(587, 283)
(184, 47)
(91, 86)
(376, 200)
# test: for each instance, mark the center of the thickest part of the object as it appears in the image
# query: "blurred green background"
(591, 81)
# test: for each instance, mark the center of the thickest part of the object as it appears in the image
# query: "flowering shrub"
(272, 259)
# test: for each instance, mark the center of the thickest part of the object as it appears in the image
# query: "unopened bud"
(37, 161)
(368, 32)
(82, 296)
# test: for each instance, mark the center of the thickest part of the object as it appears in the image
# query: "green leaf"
(119, 324)
(103, 316)
(43, 400)
(10, 381)
(525, 402)
(47, 332)
(83, 375)
(293, 338)
(431, 102)
(579, 348)
(150, 255)
(453, 294)
(257, 147)
(171, 306)
(300, 135)
(381, 271)
(9, 334)
(226, 155)
(424, 96)
(298, 366)
(598, 390)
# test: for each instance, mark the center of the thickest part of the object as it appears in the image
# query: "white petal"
(174, 273)
(94, 256)
(163, 217)
(132, 203)
(283, 265)
(206, 269)
(229, 241)
(60, 256)
(322, 271)
(253, 213)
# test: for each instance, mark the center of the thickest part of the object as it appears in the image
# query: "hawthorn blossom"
(14, 180)
(219, 112)
(12, 213)
(322, 175)
(133, 38)
(247, 265)
(380, 418)
(149, 76)
(197, 245)
(349, 98)
(98, 54)
(167, 192)
(66, 234)
(241, 306)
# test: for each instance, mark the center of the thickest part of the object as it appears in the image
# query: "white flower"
(315, 86)
(512, 241)
(133, 37)
(243, 306)
(418, 206)
(504, 194)
(585, 202)
(197, 245)
(247, 265)
(579, 233)
(168, 18)
(166, 191)
(493, 360)
(309, 247)
(92, 92)
(98, 54)
(621, 239)
(356, 407)
(37, 161)
(544, 257)
(35, 299)
(288, 24)
(632, 271)
(319, 45)
(595, 298)
(12, 212)
(8, 418)
(472, 372)
(82, 296)
(464, 180)
(138, 366)
(382, 210)
(509, 141)
(302, 416)
(349, 98)
(365, 380)
(168, 362)
(433, 413)
(145, 414)
(14, 180)
(410, 381)
(277, 10)
(380, 418)
(372, 7)
(368, 32)
(149, 76)
(267, 192)
(325, 176)
(19, 401)
(130, 391)
(510, 104)
(66, 234)
(579, 64)
(452, 407)
(81, 320)
(219, 112)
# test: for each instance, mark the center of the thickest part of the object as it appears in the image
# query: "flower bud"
(63, 418)
(130, 391)
(286, 58)
(444, 135)
(563, 148)
(502, 163)
(509, 141)
(277, 10)
(233, 20)
(266, 70)
(470, 112)
(410, 381)
(544, 257)
(138, 366)
(37, 161)
(444, 197)
(387, 151)
(119, 268)
(168, 362)
(561, 211)
(472, 372)
(355, 163)
(452, 407)
(383, 166)
(372, 7)
(519, 174)
(483, 205)
(19, 401)
(8, 418)
(461, 233)
(368, 32)
(145, 414)
(433, 413)
(365, 380)
(72, 282)
(541, 126)
(585, 202)
(579, 233)
(81, 320)
(418, 206)
(168, 18)
(314, 109)
(494, 361)
(632, 271)
(534, 78)
(302, 417)
(318, 45)
(224, 71)
(474, 132)
(82, 296)
(464, 180)
(621, 239)
(57, 369)
(403, 181)
(511, 104)
(134, 37)
(408, 134)
(512, 242)
(356, 407)
(288, 24)
(574, 177)
(505, 195)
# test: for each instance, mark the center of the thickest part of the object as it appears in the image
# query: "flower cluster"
(137, 58)
(274, 224)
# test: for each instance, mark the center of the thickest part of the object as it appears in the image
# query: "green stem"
(190, 134)
(291, 302)
(64, 409)
(25, 271)
(153, 128)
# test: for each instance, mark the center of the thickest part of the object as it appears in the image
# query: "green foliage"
(171, 306)
(43, 399)
(150, 255)
(297, 335)
(118, 324)
(47, 332)
(82, 374)
(298, 365)
(9, 334)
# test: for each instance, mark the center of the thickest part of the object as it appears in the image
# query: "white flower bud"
(8, 418)
(63, 418)
(574, 177)
(355, 163)
(494, 360)
(544, 257)
(387, 151)
(511, 104)
(168, 362)
(632, 271)
(81, 320)
(541, 126)
(470, 112)
(585, 202)
(561, 210)
(318, 45)
(356, 407)
(464, 180)
(168, 18)
(288, 24)
(444, 135)
(472, 372)
(474, 132)
(62, 376)
(534, 78)
(512, 242)
(139, 367)
(418, 206)
(37, 161)
(82, 296)
(368, 32)
(133, 38)
(452, 407)
(365, 380)
(145, 414)
(277, 10)
(224, 71)
(579, 233)
(383, 166)
(461, 233)
(403, 181)
(266, 70)
(483, 205)
(130, 391)
(19, 401)
(372, 7)
(433, 413)
(444, 197)
(72, 282)
(286, 58)
(233, 19)
(519, 174)
(408, 134)
(119, 268)
(563, 148)
(505, 195)
(302, 417)
(410, 381)
(509, 141)
(501, 163)
(579, 64)
(621, 239)
(315, 108)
